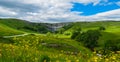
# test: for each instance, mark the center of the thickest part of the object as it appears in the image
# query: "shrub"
(101, 28)
(61, 30)
(67, 34)
(44, 58)
(75, 33)
(112, 45)
(1, 36)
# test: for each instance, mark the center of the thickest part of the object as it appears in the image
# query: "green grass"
(7, 31)
(30, 48)
(24, 25)
(58, 41)
(56, 47)
(112, 29)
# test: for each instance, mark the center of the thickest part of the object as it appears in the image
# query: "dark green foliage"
(75, 33)
(66, 27)
(89, 38)
(5, 40)
(112, 45)
(61, 30)
(77, 29)
(67, 34)
(101, 28)
(44, 58)
(1, 36)
(62, 46)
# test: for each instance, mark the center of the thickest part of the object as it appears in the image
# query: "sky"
(54, 11)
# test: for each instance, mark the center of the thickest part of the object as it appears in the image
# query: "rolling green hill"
(94, 25)
(111, 32)
(6, 30)
(51, 46)
(24, 25)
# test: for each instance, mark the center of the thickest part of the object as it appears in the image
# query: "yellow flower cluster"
(31, 50)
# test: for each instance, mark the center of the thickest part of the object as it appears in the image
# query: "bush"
(44, 58)
(61, 30)
(1, 36)
(76, 32)
(67, 34)
(66, 27)
(112, 45)
(32, 34)
(101, 28)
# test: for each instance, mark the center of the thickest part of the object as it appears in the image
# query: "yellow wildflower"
(77, 60)
(45, 61)
(0, 55)
(68, 61)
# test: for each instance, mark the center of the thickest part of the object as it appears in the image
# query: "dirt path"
(16, 35)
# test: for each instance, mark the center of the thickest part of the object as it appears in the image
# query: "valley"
(23, 41)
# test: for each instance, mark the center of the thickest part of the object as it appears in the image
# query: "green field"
(6, 31)
(55, 47)
(112, 29)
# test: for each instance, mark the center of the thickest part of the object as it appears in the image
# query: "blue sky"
(91, 10)
(53, 11)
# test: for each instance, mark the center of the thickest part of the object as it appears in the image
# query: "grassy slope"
(6, 31)
(64, 44)
(112, 29)
(24, 25)
(15, 24)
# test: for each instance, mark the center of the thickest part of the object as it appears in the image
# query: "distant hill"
(93, 25)
(23, 25)
(112, 31)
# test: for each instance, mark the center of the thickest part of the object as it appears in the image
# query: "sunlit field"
(94, 42)
(35, 48)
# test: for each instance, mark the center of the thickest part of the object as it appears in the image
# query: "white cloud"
(109, 15)
(7, 12)
(95, 2)
(55, 11)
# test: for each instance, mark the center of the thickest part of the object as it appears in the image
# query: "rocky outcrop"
(55, 26)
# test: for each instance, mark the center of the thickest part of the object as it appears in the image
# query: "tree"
(61, 30)
(112, 45)
(89, 38)
(77, 29)
(76, 32)
(101, 28)
(66, 27)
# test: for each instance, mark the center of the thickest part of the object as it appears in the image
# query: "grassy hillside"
(24, 25)
(6, 31)
(94, 25)
(52, 47)
(112, 29)
(41, 48)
